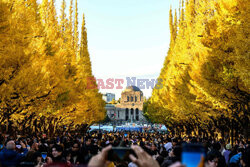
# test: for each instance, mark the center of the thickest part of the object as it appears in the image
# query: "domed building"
(130, 107)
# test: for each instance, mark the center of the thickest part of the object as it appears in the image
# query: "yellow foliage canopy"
(206, 72)
(40, 76)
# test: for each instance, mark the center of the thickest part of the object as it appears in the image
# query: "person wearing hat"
(227, 152)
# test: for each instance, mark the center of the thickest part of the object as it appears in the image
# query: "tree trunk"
(232, 132)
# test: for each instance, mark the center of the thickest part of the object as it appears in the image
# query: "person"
(168, 145)
(57, 154)
(31, 153)
(86, 149)
(245, 161)
(43, 146)
(216, 147)
(174, 156)
(37, 159)
(236, 158)
(76, 157)
(160, 159)
(227, 153)
(212, 160)
(143, 160)
(9, 157)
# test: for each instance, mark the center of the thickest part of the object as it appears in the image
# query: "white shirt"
(168, 146)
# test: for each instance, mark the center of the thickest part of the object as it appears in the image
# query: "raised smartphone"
(120, 154)
(193, 155)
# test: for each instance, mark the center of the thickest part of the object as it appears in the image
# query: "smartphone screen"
(193, 155)
(18, 146)
(120, 154)
(125, 134)
(44, 155)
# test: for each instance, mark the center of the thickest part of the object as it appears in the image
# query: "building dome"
(132, 88)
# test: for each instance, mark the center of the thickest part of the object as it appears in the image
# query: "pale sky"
(126, 38)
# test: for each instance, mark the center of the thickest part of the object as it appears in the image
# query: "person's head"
(167, 140)
(57, 151)
(228, 146)
(37, 157)
(88, 141)
(216, 146)
(75, 147)
(153, 147)
(212, 160)
(176, 152)
(240, 150)
(164, 153)
(241, 144)
(10, 145)
(174, 142)
(35, 146)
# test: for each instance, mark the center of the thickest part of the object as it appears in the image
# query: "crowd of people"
(91, 149)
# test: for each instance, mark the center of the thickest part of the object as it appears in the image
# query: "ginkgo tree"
(205, 75)
(44, 71)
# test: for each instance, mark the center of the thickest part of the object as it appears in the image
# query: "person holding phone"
(9, 156)
(143, 159)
